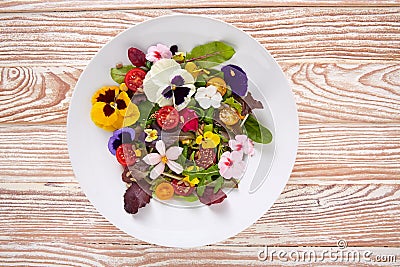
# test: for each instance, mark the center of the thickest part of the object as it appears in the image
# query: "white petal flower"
(175, 167)
(157, 170)
(242, 144)
(174, 152)
(231, 164)
(208, 96)
(158, 52)
(152, 158)
(160, 146)
(184, 74)
(157, 79)
(163, 158)
(167, 84)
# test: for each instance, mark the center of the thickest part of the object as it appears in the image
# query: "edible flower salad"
(181, 123)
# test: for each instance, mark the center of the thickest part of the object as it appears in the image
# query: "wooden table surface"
(342, 59)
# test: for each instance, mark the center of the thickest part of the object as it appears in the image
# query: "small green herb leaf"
(203, 175)
(208, 128)
(118, 74)
(257, 132)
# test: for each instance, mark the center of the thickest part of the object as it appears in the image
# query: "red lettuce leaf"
(136, 197)
(209, 197)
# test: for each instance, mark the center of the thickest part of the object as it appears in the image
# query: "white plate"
(166, 225)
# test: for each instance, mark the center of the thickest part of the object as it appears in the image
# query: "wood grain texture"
(368, 93)
(109, 254)
(36, 95)
(338, 93)
(64, 5)
(342, 63)
(290, 34)
(335, 154)
(304, 215)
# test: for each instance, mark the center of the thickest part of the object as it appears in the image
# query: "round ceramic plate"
(267, 172)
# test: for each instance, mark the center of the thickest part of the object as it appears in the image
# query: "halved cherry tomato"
(229, 116)
(167, 117)
(181, 188)
(134, 79)
(219, 83)
(126, 155)
(164, 191)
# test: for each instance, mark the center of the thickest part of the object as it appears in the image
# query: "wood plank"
(357, 93)
(36, 95)
(368, 93)
(290, 34)
(334, 154)
(363, 215)
(110, 254)
(344, 153)
(63, 5)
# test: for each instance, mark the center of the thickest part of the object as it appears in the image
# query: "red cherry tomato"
(126, 155)
(181, 188)
(167, 117)
(134, 79)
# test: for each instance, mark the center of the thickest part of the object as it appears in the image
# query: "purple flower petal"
(178, 80)
(236, 78)
(167, 92)
(180, 93)
(120, 136)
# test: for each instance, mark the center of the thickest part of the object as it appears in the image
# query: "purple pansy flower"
(120, 136)
(236, 78)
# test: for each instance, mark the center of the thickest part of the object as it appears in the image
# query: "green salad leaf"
(183, 156)
(209, 116)
(118, 74)
(257, 132)
(189, 198)
(204, 176)
(218, 184)
(145, 108)
(200, 190)
(210, 54)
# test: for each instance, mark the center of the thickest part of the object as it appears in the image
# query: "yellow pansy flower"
(112, 109)
(192, 183)
(208, 140)
(123, 87)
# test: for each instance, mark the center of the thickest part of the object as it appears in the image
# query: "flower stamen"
(164, 159)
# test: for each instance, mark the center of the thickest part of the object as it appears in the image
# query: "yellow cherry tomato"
(228, 116)
(164, 191)
(192, 69)
(219, 83)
